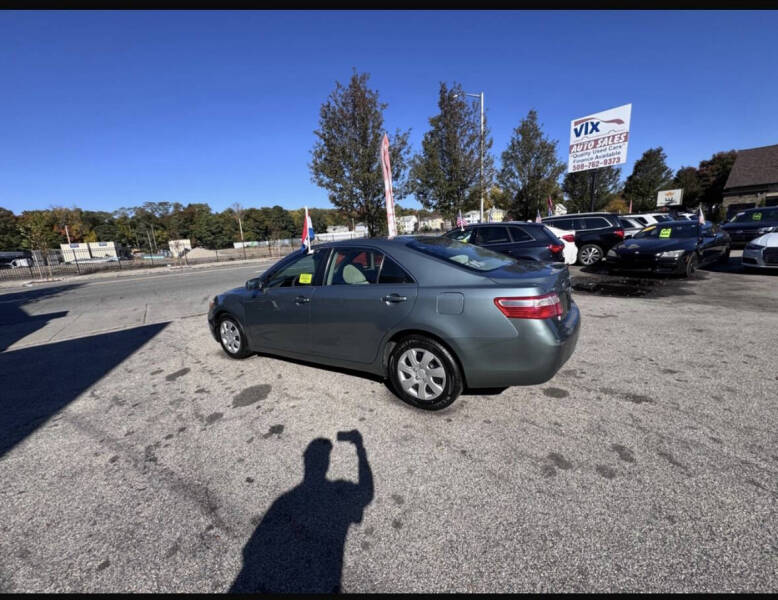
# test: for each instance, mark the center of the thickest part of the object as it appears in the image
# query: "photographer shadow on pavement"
(298, 546)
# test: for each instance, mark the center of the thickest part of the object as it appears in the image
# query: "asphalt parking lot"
(136, 457)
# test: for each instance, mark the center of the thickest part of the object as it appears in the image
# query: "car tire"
(589, 254)
(418, 368)
(232, 338)
(691, 266)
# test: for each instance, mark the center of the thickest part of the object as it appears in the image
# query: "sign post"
(386, 168)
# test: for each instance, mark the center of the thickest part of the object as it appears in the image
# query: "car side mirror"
(254, 284)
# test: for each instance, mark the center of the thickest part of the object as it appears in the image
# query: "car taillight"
(569, 237)
(530, 307)
(619, 233)
(556, 248)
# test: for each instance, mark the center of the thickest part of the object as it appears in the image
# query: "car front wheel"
(232, 339)
(691, 266)
(589, 254)
(424, 374)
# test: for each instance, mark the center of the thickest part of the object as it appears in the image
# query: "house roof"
(754, 166)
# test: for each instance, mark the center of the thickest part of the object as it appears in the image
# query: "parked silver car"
(761, 252)
(431, 315)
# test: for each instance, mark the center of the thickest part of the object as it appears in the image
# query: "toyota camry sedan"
(671, 247)
(431, 315)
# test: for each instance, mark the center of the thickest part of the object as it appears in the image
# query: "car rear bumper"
(533, 356)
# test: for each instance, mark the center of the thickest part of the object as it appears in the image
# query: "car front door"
(278, 315)
(365, 293)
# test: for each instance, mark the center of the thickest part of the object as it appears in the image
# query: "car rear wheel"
(424, 374)
(232, 339)
(589, 254)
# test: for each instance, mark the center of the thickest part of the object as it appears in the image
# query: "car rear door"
(365, 293)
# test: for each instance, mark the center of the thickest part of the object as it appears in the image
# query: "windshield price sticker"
(305, 277)
(664, 233)
(757, 216)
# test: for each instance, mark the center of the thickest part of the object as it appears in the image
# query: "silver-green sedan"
(430, 314)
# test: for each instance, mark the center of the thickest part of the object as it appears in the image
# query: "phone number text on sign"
(595, 164)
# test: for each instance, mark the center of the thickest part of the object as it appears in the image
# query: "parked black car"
(595, 233)
(750, 224)
(519, 239)
(671, 247)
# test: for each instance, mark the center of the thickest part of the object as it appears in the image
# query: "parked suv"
(646, 219)
(750, 224)
(595, 233)
(519, 239)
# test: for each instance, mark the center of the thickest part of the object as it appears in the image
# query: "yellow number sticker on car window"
(305, 277)
(757, 216)
(664, 233)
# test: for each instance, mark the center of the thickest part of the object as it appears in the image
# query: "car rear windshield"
(465, 255)
(676, 230)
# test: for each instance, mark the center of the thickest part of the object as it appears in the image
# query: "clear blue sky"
(111, 109)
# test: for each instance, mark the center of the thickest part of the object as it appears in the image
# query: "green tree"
(346, 155)
(687, 179)
(530, 169)
(649, 175)
(38, 230)
(578, 189)
(713, 174)
(445, 176)
(10, 237)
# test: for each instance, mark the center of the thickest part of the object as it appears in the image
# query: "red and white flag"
(308, 233)
(460, 221)
(386, 167)
(550, 206)
(630, 206)
(701, 218)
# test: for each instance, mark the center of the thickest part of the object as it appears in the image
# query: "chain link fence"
(82, 261)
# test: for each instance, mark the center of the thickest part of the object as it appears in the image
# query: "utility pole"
(592, 180)
(482, 157)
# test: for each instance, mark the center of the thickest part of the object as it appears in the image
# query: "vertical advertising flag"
(386, 168)
(538, 219)
(308, 233)
(701, 218)
(550, 206)
(460, 221)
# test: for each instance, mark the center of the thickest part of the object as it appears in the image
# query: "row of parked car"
(638, 242)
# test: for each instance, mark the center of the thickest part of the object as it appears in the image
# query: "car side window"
(492, 235)
(460, 235)
(305, 271)
(392, 273)
(354, 266)
(520, 235)
(595, 223)
(561, 223)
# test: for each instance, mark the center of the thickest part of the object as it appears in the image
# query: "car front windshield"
(466, 255)
(673, 231)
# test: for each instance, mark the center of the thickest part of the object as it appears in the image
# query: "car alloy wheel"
(691, 265)
(589, 255)
(232, 339)
(423, 373)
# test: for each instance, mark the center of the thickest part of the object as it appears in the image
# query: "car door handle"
(394, 298)
(301, 300)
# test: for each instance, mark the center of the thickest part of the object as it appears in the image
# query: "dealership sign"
(599, 140)
(669, 198)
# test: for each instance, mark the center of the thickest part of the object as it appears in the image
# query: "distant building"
(753, 180)
(406, 224)
(560, 209)
(431, 223)
(336, 228)
(494, 215)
